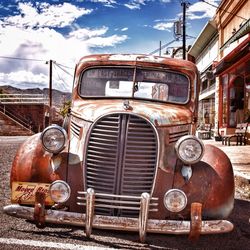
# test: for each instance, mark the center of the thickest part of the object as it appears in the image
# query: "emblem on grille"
(126, 105)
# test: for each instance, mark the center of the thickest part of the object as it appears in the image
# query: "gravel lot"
(239, 238)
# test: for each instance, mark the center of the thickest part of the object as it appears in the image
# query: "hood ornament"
(126, 105)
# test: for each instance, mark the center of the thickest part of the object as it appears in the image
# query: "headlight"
(59, 191)
(189, 149)
(175, 200)
(54, 138)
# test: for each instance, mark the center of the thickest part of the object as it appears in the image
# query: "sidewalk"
(239, 156)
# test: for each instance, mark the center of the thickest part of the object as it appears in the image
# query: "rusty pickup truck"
(128, 158)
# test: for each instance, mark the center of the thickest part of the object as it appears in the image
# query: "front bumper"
(120, 223)
(194, 228)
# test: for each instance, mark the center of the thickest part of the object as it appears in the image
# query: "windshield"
(135, 83)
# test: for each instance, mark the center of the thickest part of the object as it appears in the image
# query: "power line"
(64, 66)
(59, 77)
(58, 65)
(219, 8)
(162, 47)
(22, 59)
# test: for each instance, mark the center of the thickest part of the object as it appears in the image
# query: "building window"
(212, 82)
(236, 112)
(232, 101)
(204, 85)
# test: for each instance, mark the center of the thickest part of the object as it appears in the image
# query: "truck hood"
(159, 114)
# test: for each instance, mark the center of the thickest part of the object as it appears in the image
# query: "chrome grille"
(121, 159)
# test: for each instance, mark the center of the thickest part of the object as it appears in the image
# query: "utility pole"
(48, 115)
(184, 5)
(160, 49)
(50, 83)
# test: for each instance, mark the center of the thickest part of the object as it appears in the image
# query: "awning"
(242, 31)
(234, 56)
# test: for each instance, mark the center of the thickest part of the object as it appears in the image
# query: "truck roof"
(140, 58)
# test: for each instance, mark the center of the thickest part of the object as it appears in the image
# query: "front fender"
(219, 199)
(211, 184)
(33, 164)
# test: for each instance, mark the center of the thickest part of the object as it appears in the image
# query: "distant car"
(128, 159)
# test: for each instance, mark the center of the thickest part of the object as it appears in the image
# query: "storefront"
(234, 87)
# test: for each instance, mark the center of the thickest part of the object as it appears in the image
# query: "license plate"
(24, 192)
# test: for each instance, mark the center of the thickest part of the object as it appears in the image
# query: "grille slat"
(121, 160)
(97, 176)
(100, 148)
(75, 128)
(99, 135)
(101, 153)
(102, 162)
(174, 137)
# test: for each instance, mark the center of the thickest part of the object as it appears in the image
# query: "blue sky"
(64, 31)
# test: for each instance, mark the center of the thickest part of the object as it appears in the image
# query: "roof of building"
(203, 38)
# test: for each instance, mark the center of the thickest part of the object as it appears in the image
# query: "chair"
(205, 132)
(240, 135)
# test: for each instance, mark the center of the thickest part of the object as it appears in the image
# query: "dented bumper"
(142, 224)
(120, 223)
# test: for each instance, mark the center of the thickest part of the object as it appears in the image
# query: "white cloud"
(45, 44)
(132, 6)
(107, 3)
(201, 10)
(84, 33)
(163, 26)
(25, 38)
(94, 38)
(124, 29)
(48, 15)
(106, 41)
(23, 76)
(136, 4)
(26, 79)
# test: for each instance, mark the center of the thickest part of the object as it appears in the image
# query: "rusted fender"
(33, 164)
(219, 200)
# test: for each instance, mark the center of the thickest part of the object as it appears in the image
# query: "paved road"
(16, 234)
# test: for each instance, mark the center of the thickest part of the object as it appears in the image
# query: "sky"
(34, 32)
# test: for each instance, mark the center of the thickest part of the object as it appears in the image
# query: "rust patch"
(195, 225)
(39, 210)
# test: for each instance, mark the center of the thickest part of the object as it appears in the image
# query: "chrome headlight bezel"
(60, 186)
(60, 139)
(175, 200)
(188, 145)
